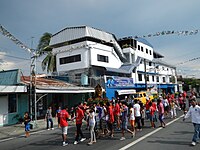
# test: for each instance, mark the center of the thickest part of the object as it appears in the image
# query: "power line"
(191, 32)
(190, 60)
(14, 57)
(17, 57)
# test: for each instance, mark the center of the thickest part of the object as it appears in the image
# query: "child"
(27, 120)
(91, 126)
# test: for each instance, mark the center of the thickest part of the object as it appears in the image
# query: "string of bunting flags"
(193, 59)
(185, 33)
(191, 32)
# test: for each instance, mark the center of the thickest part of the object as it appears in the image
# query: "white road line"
(8, 139)
(147, 135)
(31, 133)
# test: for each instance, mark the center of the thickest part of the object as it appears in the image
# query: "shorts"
(166, 108)
(132, 122)
(27, 127)
(117, 117)
(151, 118)
(64, 130)
(161, 117)
(103, 124)
(124, 125)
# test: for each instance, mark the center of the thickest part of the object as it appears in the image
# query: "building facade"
(88, 56)
(13, 97)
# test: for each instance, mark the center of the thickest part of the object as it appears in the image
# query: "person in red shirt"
(117, 114)
(63, 116)
(151, 114)
(110, 120)
(154, 105)
(79, 118)
(147, 108)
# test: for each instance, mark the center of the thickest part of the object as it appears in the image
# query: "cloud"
(26, 19)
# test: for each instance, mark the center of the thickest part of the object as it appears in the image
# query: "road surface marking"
(8, 139)
(147, 135)
(31, 133)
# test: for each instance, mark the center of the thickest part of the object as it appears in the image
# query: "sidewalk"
(18, 129)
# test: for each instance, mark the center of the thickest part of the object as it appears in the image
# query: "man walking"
(137, 115)
(49, 118)
(63, 116)
(161, 113)
(79, 118)
(194, 113)
(124, 121)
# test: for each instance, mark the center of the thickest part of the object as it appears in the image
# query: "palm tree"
(43, 48)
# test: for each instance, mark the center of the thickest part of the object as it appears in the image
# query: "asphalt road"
(176, 135)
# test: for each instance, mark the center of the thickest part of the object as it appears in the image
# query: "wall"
(22, 107)
(3, 110)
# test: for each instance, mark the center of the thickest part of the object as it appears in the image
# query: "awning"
(64, 91)
(13, 89)
(122, 92)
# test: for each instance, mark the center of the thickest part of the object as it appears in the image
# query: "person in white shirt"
(132, 119)
(137, 115)
(194, 113)
(91, 126)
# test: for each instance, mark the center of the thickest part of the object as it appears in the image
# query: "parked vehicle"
(142, 96)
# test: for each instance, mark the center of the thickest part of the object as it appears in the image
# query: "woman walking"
(27, 120)
(91, 126)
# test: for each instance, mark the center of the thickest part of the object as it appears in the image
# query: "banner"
(115, 81)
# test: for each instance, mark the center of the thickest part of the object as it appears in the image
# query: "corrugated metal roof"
(46, 82)
(65, 91)
(44, 85)
(72, 33)
(10, 77)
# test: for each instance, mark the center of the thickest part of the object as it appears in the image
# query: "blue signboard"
(115, 81)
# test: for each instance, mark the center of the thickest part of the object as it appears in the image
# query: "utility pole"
(145, 74)
(32, 68)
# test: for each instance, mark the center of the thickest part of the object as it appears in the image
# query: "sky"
(27, 20)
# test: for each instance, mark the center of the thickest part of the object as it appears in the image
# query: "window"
(142, 49)
(140, 77)
(102, 58)
(70, 59)
(78, 76)
(138, 47)
(157, 79)
(150, 63)
(147, 77)
(146, 50)
(153, 78)
(150, 52)
(164, 79)
(12, 103)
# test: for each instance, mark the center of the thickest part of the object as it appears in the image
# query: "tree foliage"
(43, 48)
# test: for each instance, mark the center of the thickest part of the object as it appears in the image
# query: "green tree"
(43, 48)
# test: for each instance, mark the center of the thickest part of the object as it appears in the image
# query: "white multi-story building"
(88, 56)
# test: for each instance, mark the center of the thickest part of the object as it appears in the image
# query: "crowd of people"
(104, 119)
